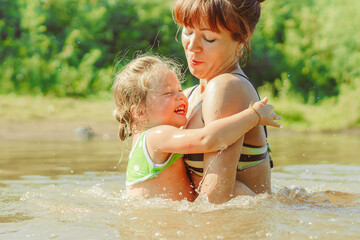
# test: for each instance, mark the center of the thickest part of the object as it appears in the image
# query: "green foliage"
(306, 50)
(67, 48)
(315, 42)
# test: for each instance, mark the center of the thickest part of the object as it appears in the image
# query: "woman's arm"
(224, 96)
(217, 135)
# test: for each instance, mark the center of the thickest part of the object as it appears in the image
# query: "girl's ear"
(134, 112)
(137, 112)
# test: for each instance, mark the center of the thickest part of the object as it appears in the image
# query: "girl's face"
(168, 105)
(209, 53)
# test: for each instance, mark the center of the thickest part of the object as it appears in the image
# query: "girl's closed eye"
(168, 93)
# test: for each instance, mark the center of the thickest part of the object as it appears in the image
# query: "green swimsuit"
(140, 167)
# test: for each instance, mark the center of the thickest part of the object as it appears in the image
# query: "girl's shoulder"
(158, 133)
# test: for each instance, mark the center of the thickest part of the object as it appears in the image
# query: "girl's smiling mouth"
(181, 109)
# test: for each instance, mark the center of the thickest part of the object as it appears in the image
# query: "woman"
(215, 37)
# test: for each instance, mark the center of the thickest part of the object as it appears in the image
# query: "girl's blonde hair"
(144, 73)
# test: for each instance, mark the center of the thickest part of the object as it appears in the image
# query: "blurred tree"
(314, 42)
(70, 48)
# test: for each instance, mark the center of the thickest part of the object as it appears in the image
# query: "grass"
(29, 108)
(332, 114)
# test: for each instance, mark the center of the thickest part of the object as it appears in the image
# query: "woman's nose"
(194, 44)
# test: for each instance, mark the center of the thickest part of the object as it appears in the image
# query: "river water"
(76, 190)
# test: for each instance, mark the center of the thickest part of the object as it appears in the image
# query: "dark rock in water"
(84, 132)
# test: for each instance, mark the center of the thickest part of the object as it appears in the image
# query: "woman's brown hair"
(240, 17)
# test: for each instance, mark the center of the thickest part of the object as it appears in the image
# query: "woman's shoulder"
(228, 83)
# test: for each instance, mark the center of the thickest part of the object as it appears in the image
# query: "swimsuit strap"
(244, 76)
(192, 90)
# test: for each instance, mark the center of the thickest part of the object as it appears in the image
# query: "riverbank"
(49, 130)
(46, 118)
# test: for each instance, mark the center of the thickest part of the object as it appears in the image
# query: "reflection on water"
(75, 190)
(316, 149)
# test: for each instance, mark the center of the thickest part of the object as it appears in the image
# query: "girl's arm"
(215, 136)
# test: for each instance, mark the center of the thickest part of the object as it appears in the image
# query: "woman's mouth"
(195, 63)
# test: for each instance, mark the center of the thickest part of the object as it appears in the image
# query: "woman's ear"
(239, 48)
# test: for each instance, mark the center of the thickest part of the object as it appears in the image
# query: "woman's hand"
(265, 113)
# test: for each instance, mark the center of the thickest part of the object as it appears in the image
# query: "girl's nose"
(180, 96)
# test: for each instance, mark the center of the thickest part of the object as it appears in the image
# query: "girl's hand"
(265, 113)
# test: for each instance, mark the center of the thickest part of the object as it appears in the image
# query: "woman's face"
(209, 53)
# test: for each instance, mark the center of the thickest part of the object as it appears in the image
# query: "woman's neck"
(234, 69)
(203, 83)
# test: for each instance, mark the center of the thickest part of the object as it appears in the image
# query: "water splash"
(327, 199)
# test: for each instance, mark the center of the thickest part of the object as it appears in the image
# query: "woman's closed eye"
(209, 40)
(209, 36)
(187, 32)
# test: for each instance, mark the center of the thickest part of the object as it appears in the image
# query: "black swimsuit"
(250, 155)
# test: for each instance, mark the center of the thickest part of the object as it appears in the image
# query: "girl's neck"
(138, 129)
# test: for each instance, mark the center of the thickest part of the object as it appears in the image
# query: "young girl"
(151, 106)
